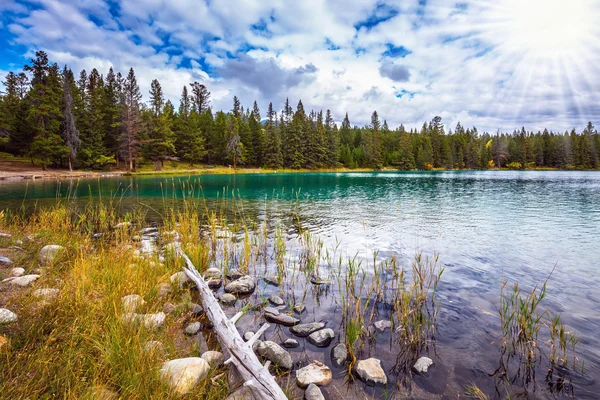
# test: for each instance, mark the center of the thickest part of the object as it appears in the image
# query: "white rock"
(150, 321)
(5, 235)
(193, 328)
(422, 365)
(214, 273)
(313, 393)
(214, 358)
(315, 372)
(22, 281)
(7, 316)
(382, 325)
(46, 294)
(371, 372)
(180, 279)
(132, 302)
(16, 272)
(321, 338)
(49, 253)
(183, 374)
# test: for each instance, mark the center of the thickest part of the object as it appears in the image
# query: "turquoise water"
(486, 226)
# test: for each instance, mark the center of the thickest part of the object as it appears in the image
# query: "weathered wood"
(255, 375)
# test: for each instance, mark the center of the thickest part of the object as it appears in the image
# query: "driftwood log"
(256, 376)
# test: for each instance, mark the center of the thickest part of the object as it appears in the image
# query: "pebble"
(276, 300)
(248, 335)
(228, 299)
(276, 354)
(183, 374)
(22, 281)
(320, 281)
(5, 235)
(193, 328)
(304, 330)
(169, 308)
(242, 286)
(290, 343)
(5, 261)
(214, 358)
(315, 372)
(371, 372)
(321, 338)
(422, 364)
(132, 302)
(197, 310)
(49, 253)
(97, 235)
(271, 280)
(7, 316)
(313, 393)
(16, 272)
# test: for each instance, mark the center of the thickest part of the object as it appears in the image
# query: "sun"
(550, 28)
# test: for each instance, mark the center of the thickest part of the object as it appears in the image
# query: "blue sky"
(500, 64)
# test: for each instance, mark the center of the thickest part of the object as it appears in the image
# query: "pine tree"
(333, 143)
(70, 133)
(273, 157)
(157, 99)
(111, 118)
(131, 119)
(294, 145)
(200, 97)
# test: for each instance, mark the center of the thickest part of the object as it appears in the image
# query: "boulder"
(315, 372)
(276, 300)
(132, 302)
(244, 285)
(313, 393)
(193, 328)
(422, 364)
(276, 354)
(214, 358)
(22, 281)
(303, 330)
(371, 372)
(183, 374)
(48, 254)
(7, 316)
(339, 354)
(321, 338)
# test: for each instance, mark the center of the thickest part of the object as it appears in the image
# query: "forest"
(98, 121)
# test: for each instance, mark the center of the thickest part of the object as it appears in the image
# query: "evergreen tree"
(131, 121)
(70, 133)
(273, 157)
(200, 97)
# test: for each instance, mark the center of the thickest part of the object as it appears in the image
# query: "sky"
(498, 64)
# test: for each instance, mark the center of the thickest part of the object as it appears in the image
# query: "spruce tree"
(70, 133)
(131, 120)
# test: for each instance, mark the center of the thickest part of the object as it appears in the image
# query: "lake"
(486, 227)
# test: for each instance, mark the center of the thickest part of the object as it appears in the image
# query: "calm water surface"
(486, 227)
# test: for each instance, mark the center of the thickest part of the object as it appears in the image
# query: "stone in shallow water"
(22, 281)
(248, 335)
(193, 328)
(315, 280)
(7, 316)
(132, 302)
(234, 274)
(183, 374)
(282, 319)
(5, 261)
(339, 354)
(228, 299)
(276, 354)
(242, 286)
(315, 372)
(49, 253)
(321, 338)
(243, 393)
(214, 284)
(214, 273)
(371, 372)
(422, 365)
(271, 310)
(276, 300)
(304, 330)
(299, 308)
(382, 325)
(271, 280)
(313, 393)
(290, 343)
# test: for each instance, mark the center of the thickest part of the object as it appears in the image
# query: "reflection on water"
(486, 226)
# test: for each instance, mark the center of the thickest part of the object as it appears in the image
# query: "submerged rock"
(271, 280)
(304, 330)
(276, 300)
(321, 338)
(281, 319)
(276, 354)
(382, 325)
(183, 374)
(193, 328)
(5, 261)
(339, 354)
(50, 253)
(132, 302)
(316, 373)
(371, 372)
(315, 280)
(213, 358)
(7, 316)
(242, 286)
(422, 364)
(313, 393)
(22, 281)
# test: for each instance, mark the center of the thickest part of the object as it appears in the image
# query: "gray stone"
(149, 321)
(193, 328)
(282, 319)
(46, 294)
(299, 308)
(371, 372)
(276, 354)
(315, 280)
(234, 274)
(248, 335)
(228, 299)
(339, 354)
(5, 261)
(97, 235)
(149, 230)
(382, 325)
(422, 364)
(214, 358)
(183, 374)
(271, 280)
(315, 372)
(169, 308)
(22, 281)
(271, 310)
(163, 289)
(7, 316)
(132, 302)
(16, 272)
(243, 393)
(321, 338)
(303, 330)
(197, 310)
(154, 347)
(313, 393)
(242, 286)
(214, 273)
(50, 253)
(290, 343)
(276, 300)
(181, 279)
(214, 284)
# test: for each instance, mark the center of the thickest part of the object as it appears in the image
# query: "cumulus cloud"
(397, 73)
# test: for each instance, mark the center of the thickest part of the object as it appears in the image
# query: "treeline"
(96, 121)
